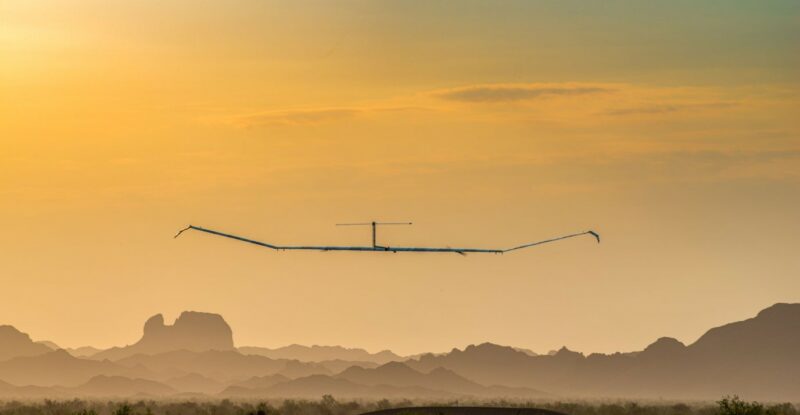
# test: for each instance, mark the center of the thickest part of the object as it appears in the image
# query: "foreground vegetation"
(330, 406)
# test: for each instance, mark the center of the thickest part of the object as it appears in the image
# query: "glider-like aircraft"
(377, 248)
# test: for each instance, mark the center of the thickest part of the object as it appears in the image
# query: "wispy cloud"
(494, 93)
(306, 116)
(294, 117)
(669, 108)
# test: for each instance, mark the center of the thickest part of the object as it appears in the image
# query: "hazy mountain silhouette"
(252, 386)
(400, 374)
(60, 368)
(772, 336)
(5, 386)
(9, 391)
(336, 366)
(758, 357)
(100, 386)
(439, 379)
(293, 369)
(373, 386)
(84, 351)
(14, 343)
(526, 351)
(220, 365)
(195, 383)
(486, 363)
(312, 387)
(118, 386)
(192, 331)
(50, 345)
(262, 381)
(322, 353)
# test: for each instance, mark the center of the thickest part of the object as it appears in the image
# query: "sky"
(671, 127)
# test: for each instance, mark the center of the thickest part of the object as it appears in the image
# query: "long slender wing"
(593, 233)
(280, 247)
(238, 238)
(461, 251)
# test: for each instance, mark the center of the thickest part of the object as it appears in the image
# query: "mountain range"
(321, 353)
(758, 358)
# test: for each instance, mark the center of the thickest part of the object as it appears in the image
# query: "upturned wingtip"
(182, 231)
(595, 234)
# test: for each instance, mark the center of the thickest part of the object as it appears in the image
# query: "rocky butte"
(194, 331)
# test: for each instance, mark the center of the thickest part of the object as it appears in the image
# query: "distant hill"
(100, 386)
(400, 374)
(395, 381)
(253, 386)
(118, 386)
(195, 383)
(293, 369)
(8, 391)
(758, 357)
(50, 345)
(487, 363)
(322, 353)
(312, 387)
(336, 366)
(192, 331)
(772, 336)
(59, 368)
(439, 379)
(259, 382)
(5, 386)
(85, 351)
(14, 343)
(225, 366)
(526, 351)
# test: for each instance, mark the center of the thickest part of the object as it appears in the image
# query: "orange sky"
(670, 128)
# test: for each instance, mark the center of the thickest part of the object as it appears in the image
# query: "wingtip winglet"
(182, 231)
(595, 234)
